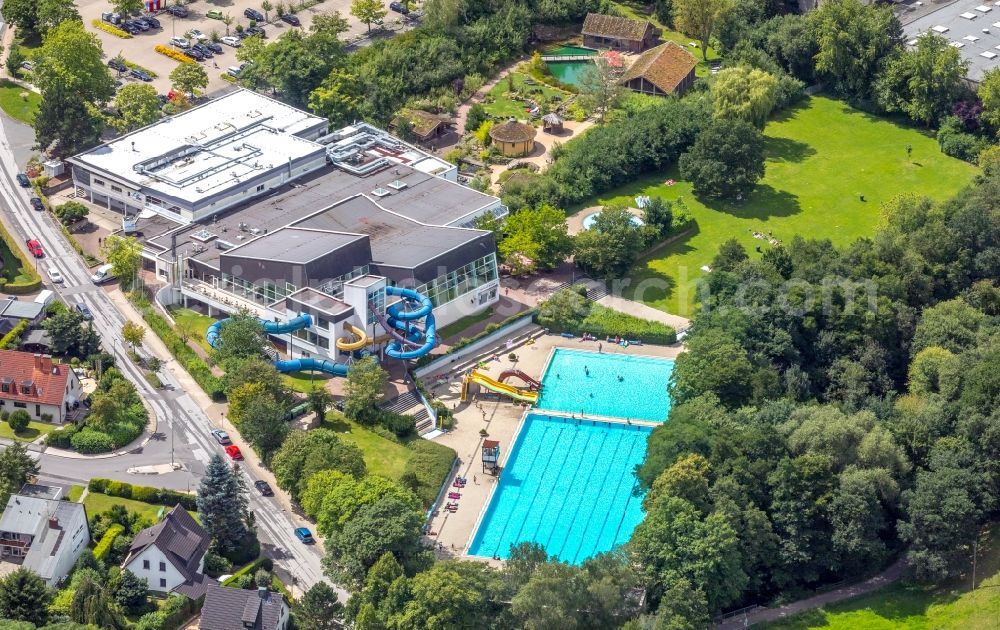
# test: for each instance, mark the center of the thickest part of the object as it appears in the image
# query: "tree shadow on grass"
(763, 203)
(786, 150)
(646, 284)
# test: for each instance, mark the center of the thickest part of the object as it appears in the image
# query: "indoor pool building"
(248, 203)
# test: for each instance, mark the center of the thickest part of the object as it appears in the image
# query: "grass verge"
(74, 493)
(466, 322)
(30, 434)
(18, 102)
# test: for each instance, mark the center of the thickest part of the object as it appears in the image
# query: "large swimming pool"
(567, 485)
(617, 385)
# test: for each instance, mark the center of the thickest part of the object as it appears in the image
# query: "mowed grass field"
(821, 157)
(948, 607)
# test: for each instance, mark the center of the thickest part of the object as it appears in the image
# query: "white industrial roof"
(210, 148)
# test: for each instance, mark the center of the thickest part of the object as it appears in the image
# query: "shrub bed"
(134, 66)
(569, 311)
(146, 494)
(173, 54)
(108, 28)
(428, 468)
(194, 364)
(249, 569)
(174, 612)
(63, 438)
(12, 337)
(108, 539)
(89, 442)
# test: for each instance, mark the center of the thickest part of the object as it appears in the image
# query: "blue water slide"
(281, 328)
(402, 314)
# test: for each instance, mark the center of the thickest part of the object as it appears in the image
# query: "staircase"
(408, 404)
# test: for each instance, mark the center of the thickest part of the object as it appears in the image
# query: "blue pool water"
(641, 394)
(567, 485)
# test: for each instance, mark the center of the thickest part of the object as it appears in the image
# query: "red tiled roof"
(47, 379)
(664, 66)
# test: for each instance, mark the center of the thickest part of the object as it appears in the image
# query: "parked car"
(196, 34)
(28, 65)
(203, 49)
(292, 19)
(255, 30)
(23, 180)
(263, 488)
(180, 42)
(37, 204)
(144, 21)
(177, 10)
(195, 54)
(234, 71)
(152, 21)
(254, 15)
(399, 7)
(303, 534)
(234, 453)
(221, 436)
(142, 75)
(140, 24)
(231, 40)
(131, 29)
(84, 310)
(103, 273)
(54, 275)
(212, 46)
(115, 64)
(35, 247)
(214, 14)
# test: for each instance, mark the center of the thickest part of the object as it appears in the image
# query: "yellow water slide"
(517, 393)
(360, 342)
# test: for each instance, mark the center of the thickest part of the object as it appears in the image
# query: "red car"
(35, 248)
(234, 452)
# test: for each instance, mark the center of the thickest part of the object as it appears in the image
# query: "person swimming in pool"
(620, 378)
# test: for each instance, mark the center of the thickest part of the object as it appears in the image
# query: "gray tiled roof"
(181, 539)
(236, 609)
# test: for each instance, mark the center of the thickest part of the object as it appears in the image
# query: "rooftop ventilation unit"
(255, 231)
(397, 184)
(203, 235)
(381, 192)
(223, 245)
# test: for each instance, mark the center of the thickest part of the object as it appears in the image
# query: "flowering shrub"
(176, 55)
(107, 28)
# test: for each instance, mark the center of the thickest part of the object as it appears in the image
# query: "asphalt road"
(183, 429)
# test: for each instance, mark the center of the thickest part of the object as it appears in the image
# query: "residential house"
(617, 33)
(171, 555)
(237, 609)
(43, 533)
(665, 70)
(13, 312)
(48, 391)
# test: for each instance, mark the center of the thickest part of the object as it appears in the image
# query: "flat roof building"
(358, 210)
(972, 27)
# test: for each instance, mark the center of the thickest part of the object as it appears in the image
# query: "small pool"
(588, 221)
(640, 394)
(568, 486)
(568, 72)
(566, 51)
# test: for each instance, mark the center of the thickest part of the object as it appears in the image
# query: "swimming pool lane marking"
(630, 495)
(546, 476)
(499, 493)
(593, 496)
(596, 499)
(572, 482)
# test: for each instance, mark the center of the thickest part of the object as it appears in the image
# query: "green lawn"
(197, 322)
(951, 606)
(821, 156)
(305, 382)
(96, 502)
(12, 269)
(383, 457)
(28, 435)
(464, 323)
(499, 105)
(18, 101)
(74, 493)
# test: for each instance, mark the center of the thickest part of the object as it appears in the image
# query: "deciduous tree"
(698, 19)
(133, 333)
(259, 417)
(17, 467)
(305, 453)
(535, 238)
(364, 391)
(338, 97)
(744, 93)
(136, 105)
(188, 78)
(367, 11)
(854, 39)
(124, 254)
(241, 336)
(925, 81)
(727, 160)
(611, 245)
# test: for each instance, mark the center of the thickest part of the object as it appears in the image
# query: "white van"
(45, 297)
(103, 274)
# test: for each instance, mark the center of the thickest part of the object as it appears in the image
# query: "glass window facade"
(267, 293)
(449, 286)
(377, 300)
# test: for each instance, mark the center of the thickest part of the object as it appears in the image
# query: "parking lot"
(140, 48)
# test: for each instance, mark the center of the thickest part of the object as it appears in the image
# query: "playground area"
(501, 419)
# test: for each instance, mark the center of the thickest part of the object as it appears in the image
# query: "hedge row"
(429, 466)
(174, 612)
(14, 335)
(194, 364)
(146, 494)
(103, 547)
(107, 28)
(250, 569)
(465, 341)
(27, 267)
(176, 55)
(605, 322)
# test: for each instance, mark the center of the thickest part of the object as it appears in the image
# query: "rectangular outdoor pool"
(568, 486)
(617, 385)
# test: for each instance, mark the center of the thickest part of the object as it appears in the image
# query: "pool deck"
(451, 533)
